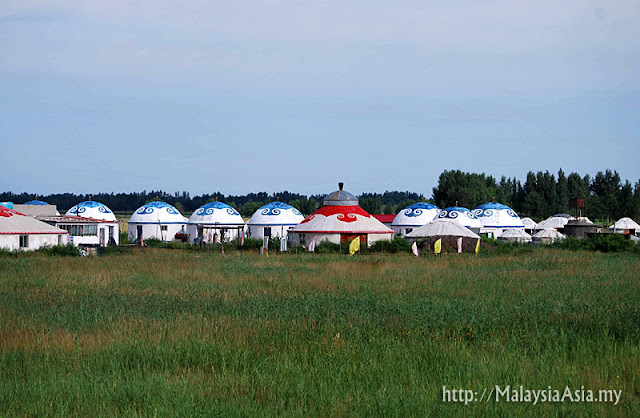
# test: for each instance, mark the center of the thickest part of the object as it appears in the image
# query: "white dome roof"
(216, 213)
(417, 214)
(625, 223)
(553, 222)
(442, 227)
(497, 215)
(92, 209)
(276, 213)
(529, 223)
(462, 215)
(157, 212)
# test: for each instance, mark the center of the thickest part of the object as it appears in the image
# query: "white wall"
(12, 242)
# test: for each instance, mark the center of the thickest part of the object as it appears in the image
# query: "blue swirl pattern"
(150, 207)
(276, 208)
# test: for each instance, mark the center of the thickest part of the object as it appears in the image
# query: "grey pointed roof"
(340, 198)
(442, 227)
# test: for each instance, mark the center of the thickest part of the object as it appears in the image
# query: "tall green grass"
(159, 332)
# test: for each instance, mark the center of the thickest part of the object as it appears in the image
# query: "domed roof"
(340, 198)
(553, 222)
(529, 223)
(463, 215)
(92, 209)
(625, 223)
(157, 212)
(276, 213)
(497, 215)
(216, 213)
(417, 214)
(36, 202)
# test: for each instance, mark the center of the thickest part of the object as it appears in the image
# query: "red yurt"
(340, 219)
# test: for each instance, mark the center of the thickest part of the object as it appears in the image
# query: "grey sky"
(243, 96)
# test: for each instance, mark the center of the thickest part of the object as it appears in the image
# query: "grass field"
(159, 332)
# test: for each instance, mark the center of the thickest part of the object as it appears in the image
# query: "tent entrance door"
(139, 232)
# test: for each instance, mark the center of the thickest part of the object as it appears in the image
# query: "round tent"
(92, 209)
(553, 222)
(463, 216)
(340, 220)
(274, 220)
(624, 225)
(213, 222)
(547, 236)
(156, 220)
(21, 232)
(36, 203)
(442, 227)
(496, 218)
(515, 235)
(529, 224)
(414, 216)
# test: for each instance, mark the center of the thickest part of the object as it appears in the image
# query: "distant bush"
(68, 250)
(606, 243)
(397, 245)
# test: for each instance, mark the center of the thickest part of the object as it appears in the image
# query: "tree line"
(542, 194)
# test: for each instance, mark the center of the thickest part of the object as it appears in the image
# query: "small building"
(86, 232)
(414, 216)
(547, 236)
(274, 220)
(463, 216)
(497, 218)
(36, 208)
(92, 209)
(625, 226)
(515, 235)
(215, 222)
(529, 225)
(582, 229)
(157, 220)
(21, 232)
(340, 220)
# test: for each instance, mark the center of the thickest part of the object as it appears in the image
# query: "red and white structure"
(21, 232)
(340, 219)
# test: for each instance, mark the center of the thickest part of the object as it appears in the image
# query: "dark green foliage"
(606, 243)
(398, 245)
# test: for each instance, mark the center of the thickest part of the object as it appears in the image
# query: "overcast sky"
(241, 96)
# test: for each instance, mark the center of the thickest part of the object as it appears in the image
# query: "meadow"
(159, 332)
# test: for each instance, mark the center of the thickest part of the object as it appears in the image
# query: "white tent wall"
(155, 231)
(209, 232)
(277, 231)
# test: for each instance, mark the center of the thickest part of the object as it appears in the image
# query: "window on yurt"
(163, 227)
(408, 230)
(24, 241)
(267, 231)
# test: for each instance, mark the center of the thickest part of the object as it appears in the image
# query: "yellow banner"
(437, 247)
(354, 246)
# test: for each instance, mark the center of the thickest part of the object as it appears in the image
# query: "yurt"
(547, 236)
(496, 218)
(529, 225)
(463, 216)
(554, 222)
(625, 226)
(442, 227)
(340, 220)
(156, 220)
(21, 232)
(93, 210)
(414, 216)
(215, 222)
(274, 220)
(515, 235)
